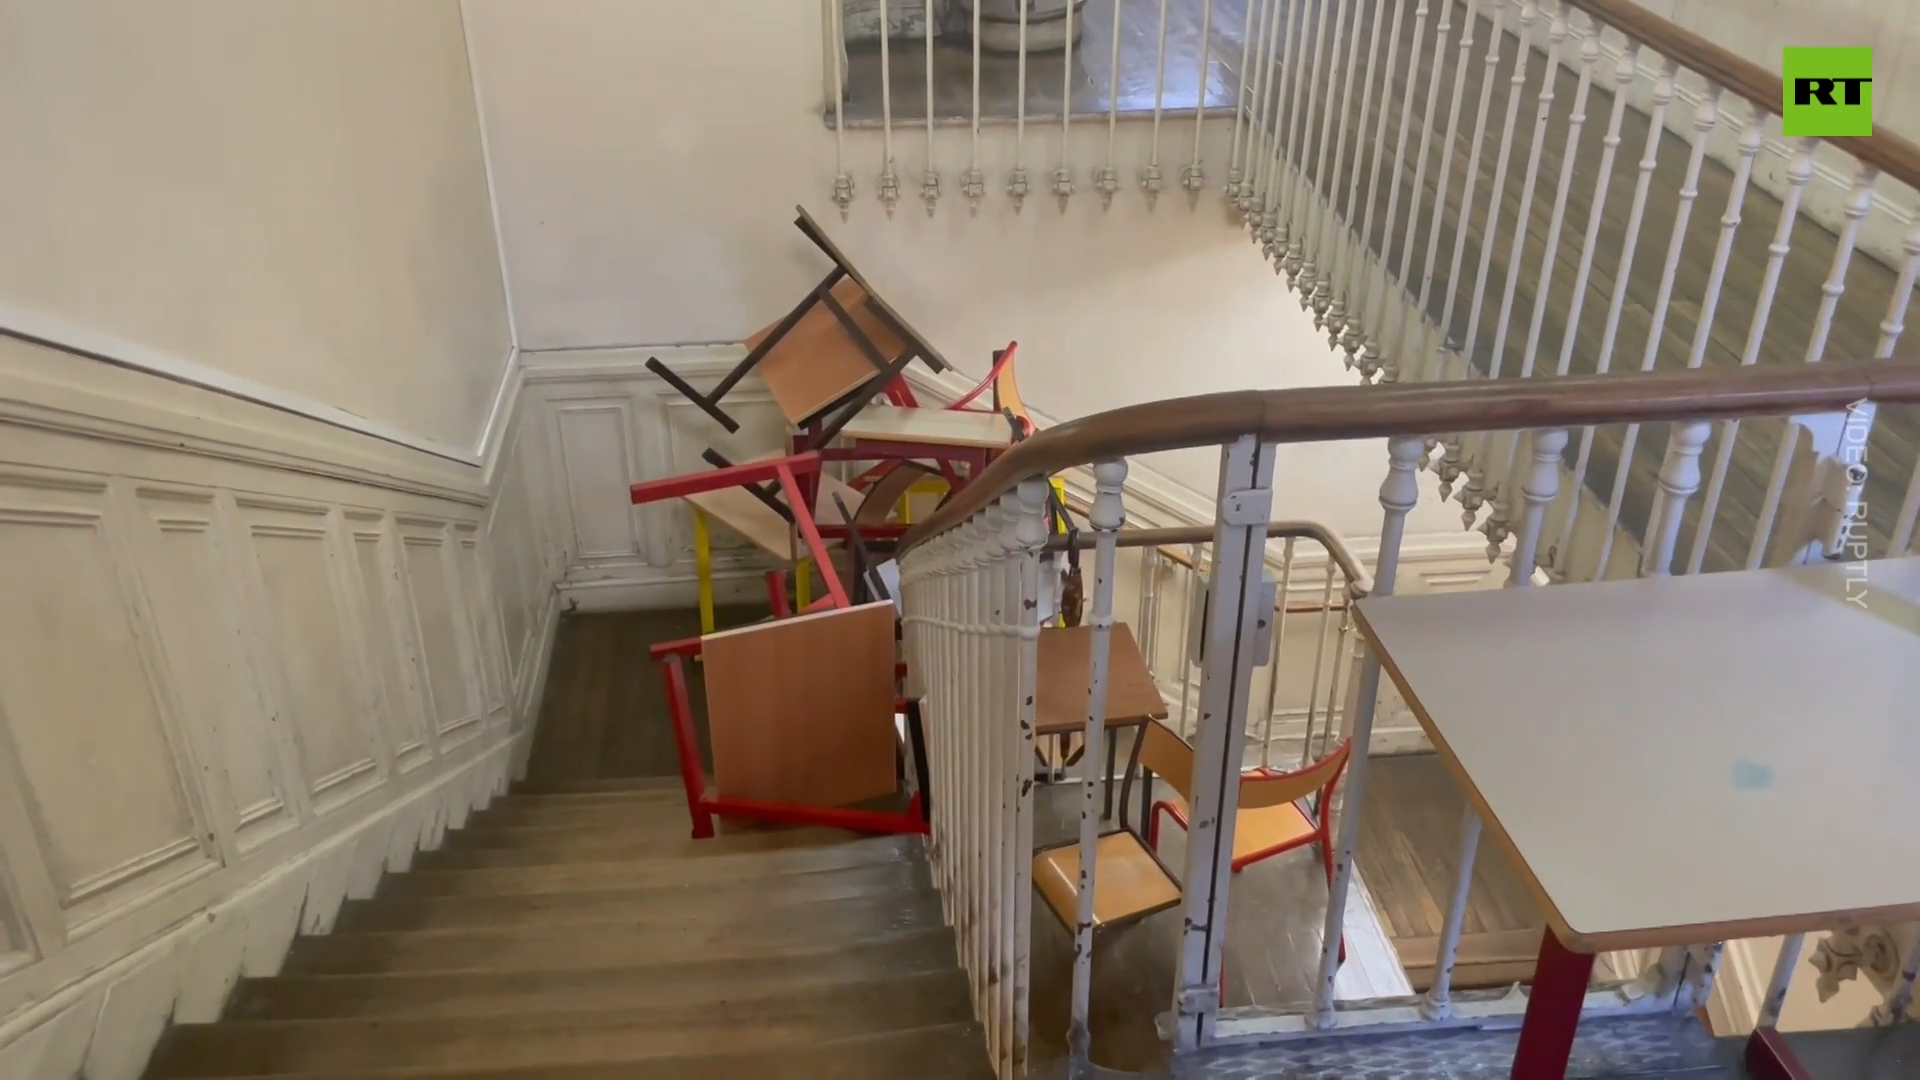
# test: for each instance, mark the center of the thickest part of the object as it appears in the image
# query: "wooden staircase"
(577, 933)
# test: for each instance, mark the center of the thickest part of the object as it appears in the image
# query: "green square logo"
(1828, 91)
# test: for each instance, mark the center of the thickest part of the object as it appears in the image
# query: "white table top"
(936, 427)
(1683, 759)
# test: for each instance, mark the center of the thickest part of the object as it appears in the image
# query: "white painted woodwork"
(1803, 668)
(250, 664)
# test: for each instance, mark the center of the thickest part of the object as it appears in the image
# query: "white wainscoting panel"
(240, 679)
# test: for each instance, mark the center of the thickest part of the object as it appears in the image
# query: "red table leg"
(1553, 1011)
(1770, 1058)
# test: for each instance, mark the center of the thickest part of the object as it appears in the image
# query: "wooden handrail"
(1884, 150)
(1334, 413)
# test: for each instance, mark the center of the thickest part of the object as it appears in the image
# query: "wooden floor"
(1409, 856)
(605, 712)
(1855, 327)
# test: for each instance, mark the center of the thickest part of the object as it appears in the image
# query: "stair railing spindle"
(1859, 204)
(1276, 227)
(1194, 177)
(1679, 479)
(1799, 171)
(1359, 284)
(1394, 300)
(1322, 631)
(1261, 140)
(1299, 191)
(1279, 645)
(1705, 118)
(1236, 167)
(1032, 535)
(1107, 516)
(1334, 220)
(1421, 321)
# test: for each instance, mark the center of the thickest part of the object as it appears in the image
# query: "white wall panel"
(396, 694)
(430, 587)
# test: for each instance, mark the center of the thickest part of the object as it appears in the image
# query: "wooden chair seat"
(1129, 882)
(1258, 832)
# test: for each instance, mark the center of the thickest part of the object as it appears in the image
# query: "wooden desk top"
(933, 427)
(1683, 759)
(1066, 666)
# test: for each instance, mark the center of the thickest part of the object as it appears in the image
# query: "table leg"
(1770, 1058)
(1553, 1011)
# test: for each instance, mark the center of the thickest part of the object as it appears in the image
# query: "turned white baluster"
(1343, 317)
(1261, 137)
(930, 180)
(1363, 284)
(1032, 535)
(1663, 90)
(1107, 516)
(1679, 479)
(1506, 444)
(1106, 179)
(1325, 235)
(973, 182)
(1537, 491)
(1276, 225)
(1150, 176)
(1063, 176)
(1417, 321)
(889, 180)
(1442, 338)
(1799, 171)
(837, 50)
(1010, 866)
(1386, 358)
(1236, 168)
(1194, 177)
(1705, 117)
(1781, 981)
(1859, 203)
(1398, 494)
(1279, 643)
(1301, 196)
(1017, 179)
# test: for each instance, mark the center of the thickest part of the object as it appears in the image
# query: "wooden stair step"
(614, 943)
(672, 829)
(751, 1021)
(954, 1051)
(483, 993)
(1482, 960)
(610, 845)
(752, 896)
(669, 787)
(641, 873)
(584, 811)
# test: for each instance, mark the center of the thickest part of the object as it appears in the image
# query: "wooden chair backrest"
(1170, 759)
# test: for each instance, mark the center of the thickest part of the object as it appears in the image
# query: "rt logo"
(1827, 91)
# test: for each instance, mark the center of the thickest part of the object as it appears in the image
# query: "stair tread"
(664, 786)
(473, 993)
(752, 1020)
(614, 942)
(756, 895)
(664, 870)
(617, 845)
(950, 1051)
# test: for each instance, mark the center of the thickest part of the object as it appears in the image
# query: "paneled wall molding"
(255, 662)
(45, 387)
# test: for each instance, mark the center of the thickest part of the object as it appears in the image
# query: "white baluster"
(889, 180)
(1393, 294)
(972, 936)
(1107, 516)
(1679, 479)
(1107, 178)
(1063, 176)
(1234, 622)
(1236, 168)
(1017, 180)
(1506, 444)
(1859, 203)
(1033, 537)
(973, 182)
(1799, 171)
(1325, 315)
(1260, 138)
(1398, 494)
(1276, 224)
(1194, 177)
(1781, 981)
(1705, 117)
(1299, 194)
(1437, 1004)
(1190, 597)
(1538, 491)
(1336, 680)
(1279, 643)
(930, 183)
(1313, 292)
(1470, 495)
(999, 743)
(1417, 318)
(1662, 96)
(1361, 270)
(837, 50)
(1321, 632)
(1150, 176)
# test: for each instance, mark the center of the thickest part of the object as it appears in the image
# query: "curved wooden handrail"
(1884, 150)
(1335, 413)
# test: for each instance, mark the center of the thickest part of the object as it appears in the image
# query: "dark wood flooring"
(1409, 855)
(604, 716)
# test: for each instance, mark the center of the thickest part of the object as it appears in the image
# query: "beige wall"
(288, 199)
(647, 159)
